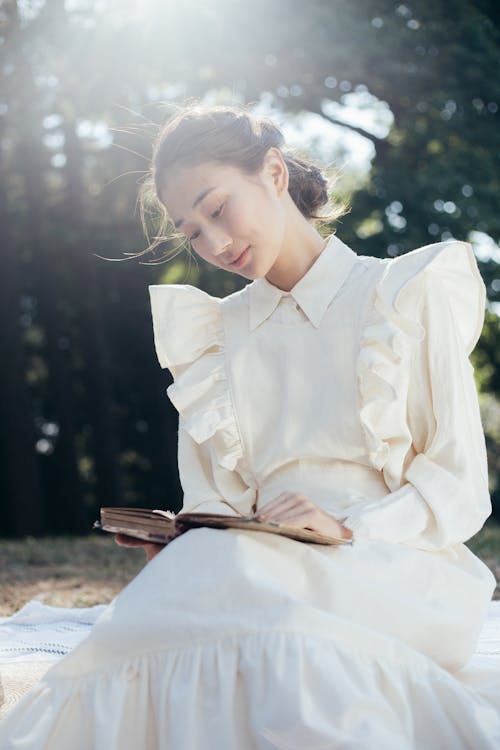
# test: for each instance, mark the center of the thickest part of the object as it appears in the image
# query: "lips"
(233, 262)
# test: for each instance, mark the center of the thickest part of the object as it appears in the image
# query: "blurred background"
(402, 99)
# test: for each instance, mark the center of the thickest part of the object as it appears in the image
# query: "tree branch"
(375, 139)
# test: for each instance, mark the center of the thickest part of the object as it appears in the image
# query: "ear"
(274, 167)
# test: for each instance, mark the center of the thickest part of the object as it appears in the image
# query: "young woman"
(333, 392)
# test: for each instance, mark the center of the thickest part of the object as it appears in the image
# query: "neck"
(301, 246)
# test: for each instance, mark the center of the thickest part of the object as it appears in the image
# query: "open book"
(162, 526)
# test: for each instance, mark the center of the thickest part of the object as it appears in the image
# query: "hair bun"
(307, 186)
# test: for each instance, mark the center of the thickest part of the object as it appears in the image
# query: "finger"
(293, 502)
(129, 541)
(269, 506)
(284, 506)
(272, 514)
(297, 511)
(278, 502)
(300, 520)
(314, 521)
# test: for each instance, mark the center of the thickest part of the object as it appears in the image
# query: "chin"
(249, 271)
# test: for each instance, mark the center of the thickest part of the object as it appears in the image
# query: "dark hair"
(229, 135)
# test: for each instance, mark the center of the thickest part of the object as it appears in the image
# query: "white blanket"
(40, 633)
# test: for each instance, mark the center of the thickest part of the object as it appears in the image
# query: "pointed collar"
(315, 289)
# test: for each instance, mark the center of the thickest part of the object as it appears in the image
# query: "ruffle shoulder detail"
(190, 341)
(391, 326)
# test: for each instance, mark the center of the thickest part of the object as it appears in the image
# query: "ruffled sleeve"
(420, 409)
(189, 341)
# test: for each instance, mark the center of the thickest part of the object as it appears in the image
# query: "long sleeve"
(440, 491)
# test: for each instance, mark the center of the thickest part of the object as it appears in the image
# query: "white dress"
(355, 388)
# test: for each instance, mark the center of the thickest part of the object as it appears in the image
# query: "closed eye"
(214, 215)
(218, 212)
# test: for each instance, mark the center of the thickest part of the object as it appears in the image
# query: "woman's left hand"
(150, 548)
(297, 510)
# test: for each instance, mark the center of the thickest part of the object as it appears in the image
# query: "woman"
(334, 392)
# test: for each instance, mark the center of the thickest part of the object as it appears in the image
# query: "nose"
(217, 241)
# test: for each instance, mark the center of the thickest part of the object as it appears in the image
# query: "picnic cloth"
(33, 639)
(40, 633)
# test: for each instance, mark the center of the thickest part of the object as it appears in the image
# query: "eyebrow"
(198, 199)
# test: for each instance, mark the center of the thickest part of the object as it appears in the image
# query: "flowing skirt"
(247, 640)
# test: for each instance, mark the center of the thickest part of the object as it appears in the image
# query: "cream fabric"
(361, 370)
(355, 388)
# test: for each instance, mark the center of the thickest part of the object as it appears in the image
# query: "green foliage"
(486, 543)
(486, 358)
(83, 91)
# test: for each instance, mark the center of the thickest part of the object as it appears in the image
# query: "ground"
(82, 571)
(64, 571)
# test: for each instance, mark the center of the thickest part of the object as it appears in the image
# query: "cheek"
(250, 210)
(237, 218)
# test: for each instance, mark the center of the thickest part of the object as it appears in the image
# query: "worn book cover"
(162, 526)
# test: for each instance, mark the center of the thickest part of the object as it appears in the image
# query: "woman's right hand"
(150, 548)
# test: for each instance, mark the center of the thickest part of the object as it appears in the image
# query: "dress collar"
(313, 292)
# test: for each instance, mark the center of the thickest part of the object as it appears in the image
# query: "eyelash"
(215, 215)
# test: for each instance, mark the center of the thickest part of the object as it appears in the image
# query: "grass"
(82, 571)
(64, 571)
(486, 545)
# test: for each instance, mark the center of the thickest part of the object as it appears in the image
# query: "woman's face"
(230, 216)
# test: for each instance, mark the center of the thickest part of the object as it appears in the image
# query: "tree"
(84, 386)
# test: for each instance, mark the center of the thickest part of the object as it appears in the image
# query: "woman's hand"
(297, 510)
(150, 548)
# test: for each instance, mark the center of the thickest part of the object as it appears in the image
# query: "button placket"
(288, 311)
(287, 305)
